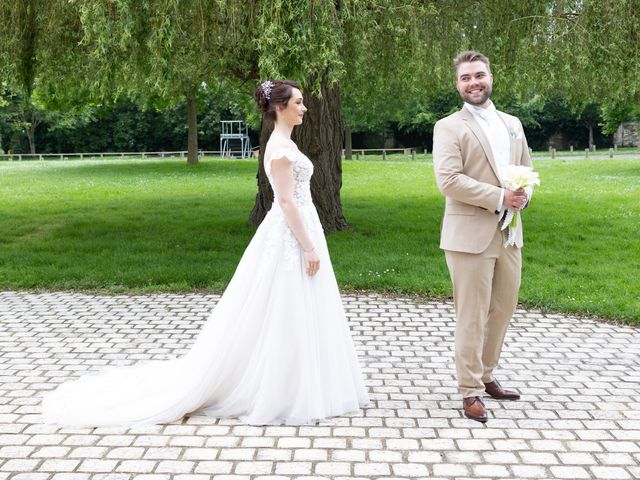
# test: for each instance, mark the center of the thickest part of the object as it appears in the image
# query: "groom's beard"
(478, 100)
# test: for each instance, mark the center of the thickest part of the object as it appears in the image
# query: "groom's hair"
(469, 56)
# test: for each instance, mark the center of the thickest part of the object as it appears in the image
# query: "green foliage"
(427, 111)
(39, 45)
(590, 114)
(392, 58)
(299, 39)
(157, 51)
(395, 53)
(616, 112)
(541, 117)
(584, 51)
(560, 46)
(11, 125)
(121, 125)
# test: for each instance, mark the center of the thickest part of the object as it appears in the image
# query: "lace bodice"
(302, 172)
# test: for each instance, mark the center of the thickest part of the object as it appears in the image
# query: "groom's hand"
(515, 200)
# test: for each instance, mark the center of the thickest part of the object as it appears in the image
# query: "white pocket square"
(517, 134)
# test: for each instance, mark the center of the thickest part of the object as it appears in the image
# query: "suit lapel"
(512, 149)
(475, 127)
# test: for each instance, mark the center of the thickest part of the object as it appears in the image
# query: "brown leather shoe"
(496, 391)
(474, 409)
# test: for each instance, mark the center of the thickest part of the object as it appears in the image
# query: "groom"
(471, 151)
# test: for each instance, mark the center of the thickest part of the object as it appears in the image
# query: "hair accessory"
(266, 88)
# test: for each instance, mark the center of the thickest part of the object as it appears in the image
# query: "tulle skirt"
(276, 349)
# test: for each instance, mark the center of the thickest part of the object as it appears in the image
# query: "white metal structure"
(232, 131)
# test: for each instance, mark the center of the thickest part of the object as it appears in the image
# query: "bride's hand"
(311, 262)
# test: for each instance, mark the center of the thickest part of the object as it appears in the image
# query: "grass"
(150, 225)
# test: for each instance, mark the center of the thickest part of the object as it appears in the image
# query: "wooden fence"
(93, 156)
(358, 153)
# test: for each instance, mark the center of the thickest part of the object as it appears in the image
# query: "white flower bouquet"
(516, 177)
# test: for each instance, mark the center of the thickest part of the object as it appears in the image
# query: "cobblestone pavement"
(579, 416)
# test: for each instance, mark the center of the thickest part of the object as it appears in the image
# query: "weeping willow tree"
(365, 48)
(158, 52)
(165, 52)
(301, 40)
(586, 50)
(28, 21)
(358, 60)
(382, 56)
(32, 54)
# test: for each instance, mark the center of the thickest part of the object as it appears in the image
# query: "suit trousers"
(485, 295)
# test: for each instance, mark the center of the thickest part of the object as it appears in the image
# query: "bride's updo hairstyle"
(271, 93)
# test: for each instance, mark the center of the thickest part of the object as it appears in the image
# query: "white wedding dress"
(276, 348)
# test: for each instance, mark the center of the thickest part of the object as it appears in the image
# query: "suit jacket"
(467, 175)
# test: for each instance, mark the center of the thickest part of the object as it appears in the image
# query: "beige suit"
(485, 274)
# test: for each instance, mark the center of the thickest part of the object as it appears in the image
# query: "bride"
(276, 348)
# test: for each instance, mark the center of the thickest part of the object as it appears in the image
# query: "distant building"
(627, 135)
(559, 141)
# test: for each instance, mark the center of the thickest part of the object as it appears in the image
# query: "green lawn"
(150, 225)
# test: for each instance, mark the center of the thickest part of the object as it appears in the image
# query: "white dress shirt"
(496, 131)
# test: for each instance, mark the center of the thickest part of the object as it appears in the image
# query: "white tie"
(485, 114)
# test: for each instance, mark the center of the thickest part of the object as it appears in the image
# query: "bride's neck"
(283, 130)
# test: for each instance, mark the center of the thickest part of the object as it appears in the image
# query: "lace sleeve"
(278, 153)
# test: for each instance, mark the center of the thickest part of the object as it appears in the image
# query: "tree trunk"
(27, 63)
(264, 197)
(31, 136)
(31, 130)
(192, 121)
(590, 136)
(320, 138)
(348, 149)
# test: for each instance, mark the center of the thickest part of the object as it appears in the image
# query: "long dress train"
(276, 348)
